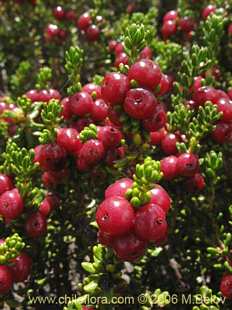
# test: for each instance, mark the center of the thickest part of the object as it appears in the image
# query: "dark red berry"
(157, 136)
(115, 216)
(168, 166)
(119, 48)
(21, 267)
(112, 45)
(197, 182)
(146, 53)
(70, 15)
(160, 197)
(59, 13)
(11, 204)
(36, 225)
(168, 144)
(92, 33)
(104, 238)
(6, 279)
(220, 132)
(5, 183)
(140, 103)
(225, 107)
(48, 204)
(52, 178)
(81, 103)
(187, 164)
(84, 21)
(93, 90)
(186, 24)
(210, 9)
(114, 87)
(168, 29)
(121, 58)
(170, 15)
(146, 73)
(66, 108)
(110, 136)
(157, 120)
(150, 223)
(119, 188)
(68, 138)
(226, 286)
(165, 85)
(99, 110)
(129, 247)
(204, 94)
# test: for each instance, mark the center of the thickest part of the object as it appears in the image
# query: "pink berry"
(204, 94)
(48, 204)
(66, 108)
(11, 204)
(36, 225)
(119, 48)
(115, 216)
(165, 85)
(140, 103)
(6, 279)
(119, 188)
(225, 107)
(168, 166)
(21, 267)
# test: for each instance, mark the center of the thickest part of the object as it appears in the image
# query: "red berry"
(99, 110)
(146, 53)
(33, 95)
(70, 15)
(92, 33)
(170, 15)
(104, 238)
(51, 32)
(59, 13)
(11, 204)
(84, 21)
(156, 137)
(112, 45)
(210, 9)
(90, 154)
(226, 286)
(66, 108)
(119, 188)
(197, 182)
(81, 103)
(114, 87)
(220, 132)
(121, 58)
(139, 103)
(48, 204)
(52, 178)
(21, 267)
(54, 94)
(168, 166)
(6, 279)
(110, 136)
(68, 138)
(129, 247)
(197, 83)
(187, 164)
(150, 223)
(5, 183)
(204, 94)
(115, 216)
(186, 24)
(165, 85)
(168, 29)
(157, 120)
(168, 144)
(160, 197)
(225, 107)
(119, 48)
(36, 225)
(92, 89)
(229, 30)
(146, 73)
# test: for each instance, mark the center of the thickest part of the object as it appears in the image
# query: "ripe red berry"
(70, 15)
(157, 136)
(11, 204)
(128, 247)
(165, 85)
(115, 216)
(5, 183)
(140, 103)
(197, 83)
(150, 223)
(66, 108)
(68, 138)
(225, 107)
(168, 166)
(226, 286)
(84, 21)
(187, 164)
(59, 13)
(168, 29)
(204, 94)
(146, 73)
(33, 95)
(90, 154)
(36, 225)
(157, 120)
(160, 197)
(104, 238)
(146, 53)
(118, 188)
(112, 45)
(210, 9)
(121, 58)
(92, 33)
(220, 132)
(114, 87)
(197, 182)
(119, 48)
(92, 89)
(81, 103)
(170, 15)
(110, 136)
(6, 279)
(21, 267)
(186, 24)
(51, 32)
(168, 144)
(48, 204)
(99, 110)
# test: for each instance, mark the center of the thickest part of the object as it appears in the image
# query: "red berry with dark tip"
(168, 144)
(160, 197)
(168, 166)
(150, 223)
(226, 286)
(5, 183)
(81, 103)
(115, 216)
(110, 136)
(6, 279)
(36, 225)
(11, 204)
(115, 87)
(146, 73)
(187, 164)
(140, 103)
(21, 267)
(84, 21)
(119, 188)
